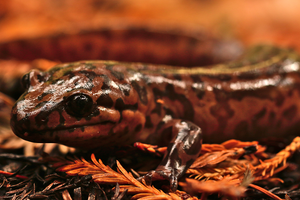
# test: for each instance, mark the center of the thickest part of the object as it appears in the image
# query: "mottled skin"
(92, 104)
(126, 43)
(159, 45)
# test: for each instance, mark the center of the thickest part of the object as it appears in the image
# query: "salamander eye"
(79, 105)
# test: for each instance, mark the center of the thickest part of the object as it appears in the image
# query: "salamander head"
(77, 104)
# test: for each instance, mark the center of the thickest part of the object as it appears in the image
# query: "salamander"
(92, 104)
(127, 43)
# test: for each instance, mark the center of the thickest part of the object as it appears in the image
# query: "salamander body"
(91, 104)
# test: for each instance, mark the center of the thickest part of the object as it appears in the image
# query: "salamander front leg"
(182, 151)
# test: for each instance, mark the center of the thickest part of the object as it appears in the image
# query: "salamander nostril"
(32, 78)
(26, 81)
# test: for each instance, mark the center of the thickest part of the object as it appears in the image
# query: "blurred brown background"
(251, 21)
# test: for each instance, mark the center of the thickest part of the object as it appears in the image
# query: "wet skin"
(92, 104)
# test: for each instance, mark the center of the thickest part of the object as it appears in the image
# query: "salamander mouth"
(33, 135)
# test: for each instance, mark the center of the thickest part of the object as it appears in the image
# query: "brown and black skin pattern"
(126, 43)
(165, 45)
(130, 102)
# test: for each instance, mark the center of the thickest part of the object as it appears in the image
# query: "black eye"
(79, 105)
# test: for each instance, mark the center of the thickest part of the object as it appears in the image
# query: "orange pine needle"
(105, 175)
(160, 101)
(229, 186)
(220, 171)
(10, 174)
